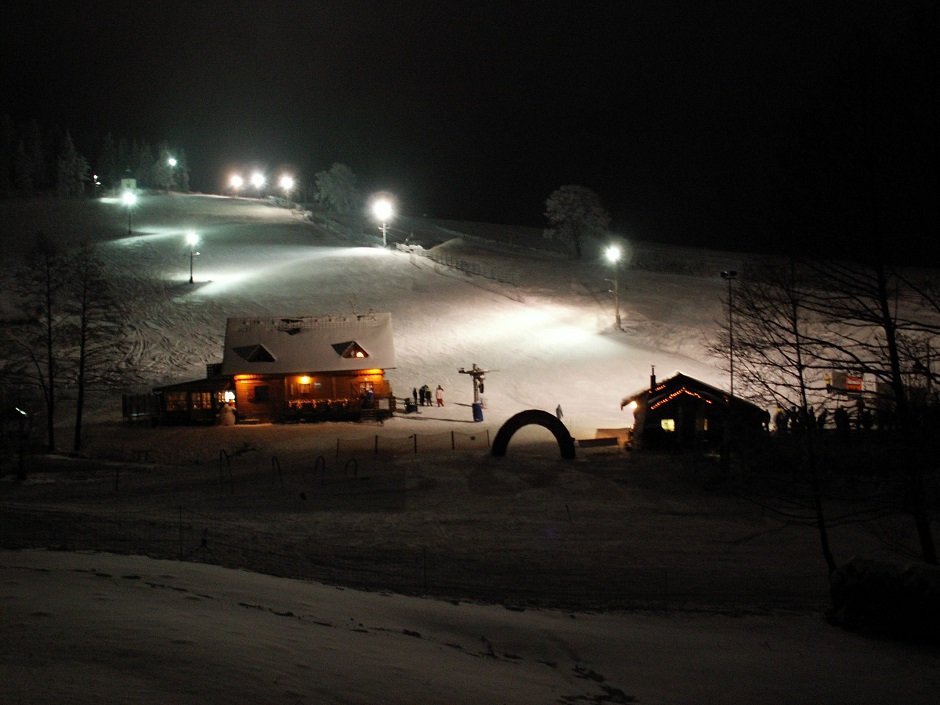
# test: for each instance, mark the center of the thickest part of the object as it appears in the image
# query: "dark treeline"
(38, 159)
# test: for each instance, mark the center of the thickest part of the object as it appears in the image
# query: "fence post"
(181, 531)
(453, 444)
(415, 442)
(376, 450)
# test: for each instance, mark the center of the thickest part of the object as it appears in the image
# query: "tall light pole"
(730, 275)
(129, 198)
(257, 180)
(192, 239)
(287, 184)
(236, 182)
(383, 210)
(613, 253)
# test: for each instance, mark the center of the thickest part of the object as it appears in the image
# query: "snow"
(82, 628)
(105, 628)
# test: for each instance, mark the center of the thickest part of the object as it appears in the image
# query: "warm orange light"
(371, 372)
(304, 379)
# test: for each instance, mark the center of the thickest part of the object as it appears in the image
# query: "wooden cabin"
(310, 368)
(684, 413)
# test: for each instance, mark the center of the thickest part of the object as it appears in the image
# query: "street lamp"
(613, 254)
(129, 198)
(383, 210)
(192, 239)
(257, 180)
(730, 275)
(287, 184)
(236, 182)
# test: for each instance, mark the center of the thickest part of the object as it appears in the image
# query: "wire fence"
(502, 572)
(376, 515)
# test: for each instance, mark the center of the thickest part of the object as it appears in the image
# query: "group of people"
(794, 420)
(422, 396)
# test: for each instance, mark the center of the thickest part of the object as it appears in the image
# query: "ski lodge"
(301, 368)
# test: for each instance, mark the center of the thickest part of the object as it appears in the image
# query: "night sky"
(728, 124)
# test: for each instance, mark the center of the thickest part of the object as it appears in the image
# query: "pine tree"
(72, 172)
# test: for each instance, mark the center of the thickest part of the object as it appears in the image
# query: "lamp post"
(129, 198)
(730, 275)
(613, 254)
(257, 180)
(236, 182)
(287, 184)
(192, 239)
(383, 210)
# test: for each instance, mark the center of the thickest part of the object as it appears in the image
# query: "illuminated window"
(202, 400)
(175, 401)
(228, 396)
(668, 425)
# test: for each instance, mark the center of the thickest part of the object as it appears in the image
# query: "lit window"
(668, 425)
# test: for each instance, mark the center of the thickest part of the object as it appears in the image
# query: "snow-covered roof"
(298, 344)
(680, 382)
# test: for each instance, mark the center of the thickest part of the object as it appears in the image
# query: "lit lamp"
(257, 180)
(192, 239)
(236, 182)
(287, 184)
(383, 211)
(129, 198)
(613, 253)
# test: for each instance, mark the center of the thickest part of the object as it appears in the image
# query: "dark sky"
(705, 122)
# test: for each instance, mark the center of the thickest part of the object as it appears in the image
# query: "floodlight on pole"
(236, 182)
(192, 239)
(383, 210)
(257, 180)
(613, 254)
(171, 162)
(730, 275)
(129, 198)
(287, 184)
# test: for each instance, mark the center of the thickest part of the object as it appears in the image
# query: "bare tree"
(776, 353)
(94, 328)
(874, 315)
(33, 338)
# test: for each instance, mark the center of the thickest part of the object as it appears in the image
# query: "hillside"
(542, 323)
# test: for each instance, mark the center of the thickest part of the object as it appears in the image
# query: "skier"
(439, 394)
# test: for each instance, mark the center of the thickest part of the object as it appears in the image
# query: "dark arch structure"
(539, 418)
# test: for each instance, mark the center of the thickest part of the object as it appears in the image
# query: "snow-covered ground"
(101, 628)
(80, 628)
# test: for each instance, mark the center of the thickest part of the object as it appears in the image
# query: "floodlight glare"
(129, 198)
(612, 253)
(287, 183)
(383, 210)
(257, 179)
(236, 182)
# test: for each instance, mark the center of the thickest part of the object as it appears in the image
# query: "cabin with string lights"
(310, 368)
(683, 413)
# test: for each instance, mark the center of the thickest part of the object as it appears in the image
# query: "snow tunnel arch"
(539, 418)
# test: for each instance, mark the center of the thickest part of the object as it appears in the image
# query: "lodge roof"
(680, 384)
(311, 344)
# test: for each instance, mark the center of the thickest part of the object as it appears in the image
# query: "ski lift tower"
(477, 375)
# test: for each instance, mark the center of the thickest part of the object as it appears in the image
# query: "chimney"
(652, 378)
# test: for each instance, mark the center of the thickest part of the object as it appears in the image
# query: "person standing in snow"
(414, 394)
(425, 395)
(559, 413)
(439, 394)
